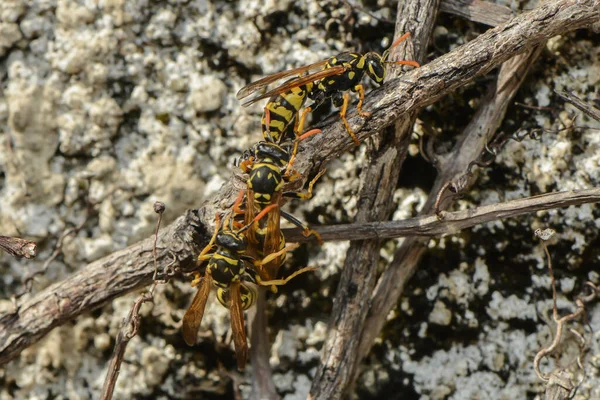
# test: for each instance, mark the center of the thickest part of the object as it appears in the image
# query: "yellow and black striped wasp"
(338, 75)
(269, 170)
(232, 269)
(286, 101)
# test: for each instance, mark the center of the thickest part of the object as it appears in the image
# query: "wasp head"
(375, 66)
(232, 240)
(272, 152)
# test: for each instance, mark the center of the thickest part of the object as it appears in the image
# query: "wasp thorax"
(231, 240)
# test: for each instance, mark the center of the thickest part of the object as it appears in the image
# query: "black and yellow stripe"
(283, 110)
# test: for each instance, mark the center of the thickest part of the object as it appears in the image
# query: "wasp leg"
(198, 278)
(289, 171)
(259, 216)
(203, 254)
(306, 231)
(308, 194)
(406, 62)
(259, 263)
(266, 120)
(300, 124)
(361, 97)
(281, 282)
(246, 165)
(238, 201)
(277, 254)
(345, 121)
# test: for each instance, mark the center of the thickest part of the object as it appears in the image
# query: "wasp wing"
(193, 316)
(302, 80)
(273, 240)
(249, 215)
(267, 80)
(237, 325)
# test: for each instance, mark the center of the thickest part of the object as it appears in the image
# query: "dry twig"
(467, 149)
(385, 157)
(18, 247)
(589, 110)
(131, 324)
(454, 222)
(460, 184)
(263, 386)
(131, 268)
(563, 387)
(478, 11)
(28, 280)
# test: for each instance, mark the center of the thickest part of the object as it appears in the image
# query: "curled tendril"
(487, 157)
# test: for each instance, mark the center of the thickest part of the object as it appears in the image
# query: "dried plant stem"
(453, 222)
(559, 383)
(379, 178)
(131, 324)
(262, 384)
(468, 148)
(129, 330)
(478, 11)
(589, 110)
(18, 247)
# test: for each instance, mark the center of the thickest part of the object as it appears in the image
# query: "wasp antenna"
(396, 43)
(400, 40)
(405, 62)
(259, 217)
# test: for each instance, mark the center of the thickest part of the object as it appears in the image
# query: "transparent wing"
(193, 316)
(302, 80)
(273, 240)
(267, 80)
(237, 325)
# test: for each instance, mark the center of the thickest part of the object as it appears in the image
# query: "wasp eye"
(376, 70)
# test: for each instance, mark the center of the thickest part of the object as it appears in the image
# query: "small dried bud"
(544, 234)
(159, 207)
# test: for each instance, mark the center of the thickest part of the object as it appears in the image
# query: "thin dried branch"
(18, 247)
(463, 182)
(98, 283)
(560, 386)
(589, 110)
(454, 222)
(130, 329)
(478, 11)
(468, 148)
(379, 178)
(263, 386)
(28, 280)
(131, 324)
(119, 273)
(563, 387)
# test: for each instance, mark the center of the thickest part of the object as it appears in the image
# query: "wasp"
(269, 170)
(338, 75)
(285, 102)
(228, 270)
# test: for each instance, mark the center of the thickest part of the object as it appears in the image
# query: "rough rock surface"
(108, 106)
